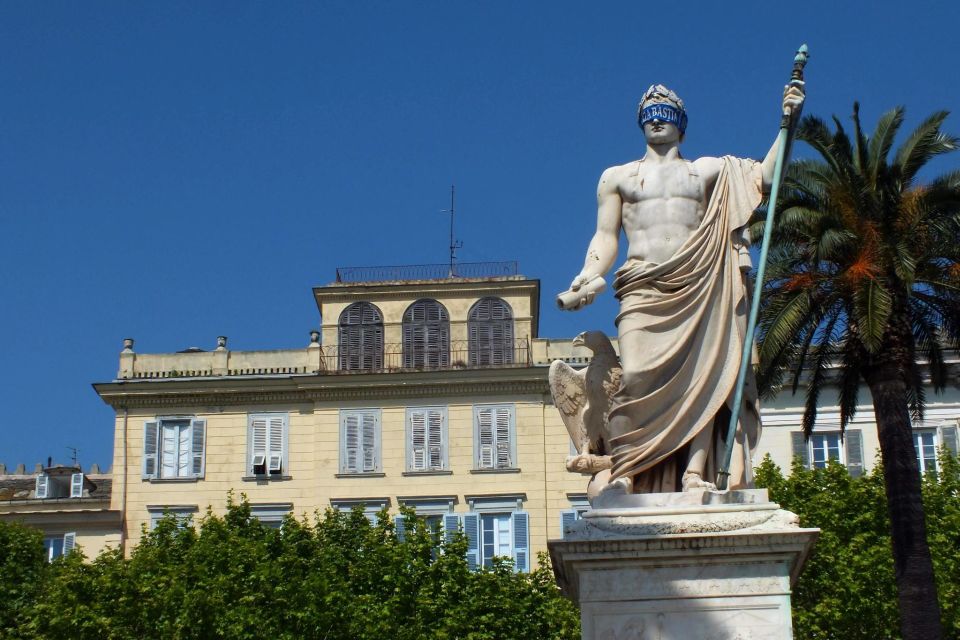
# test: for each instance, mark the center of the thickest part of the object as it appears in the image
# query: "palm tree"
(864, 286)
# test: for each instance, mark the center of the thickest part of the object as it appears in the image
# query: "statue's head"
(660, 109)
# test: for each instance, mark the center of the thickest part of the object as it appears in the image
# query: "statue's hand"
(793, 97)
(579, 281)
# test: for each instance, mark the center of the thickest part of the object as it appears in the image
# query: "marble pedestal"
(702, 565)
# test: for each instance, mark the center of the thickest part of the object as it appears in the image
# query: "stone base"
(701, 565)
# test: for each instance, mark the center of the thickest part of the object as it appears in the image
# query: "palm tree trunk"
(916, 588)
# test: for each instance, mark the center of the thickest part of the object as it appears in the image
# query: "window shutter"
(502, 415)
(150, 438)
(418, 440)
(948, 433)
(854, 445)
(43, 486)
(567, 518)
(275, 460)
(369, 442)
(800, 448)
(199, 430)
(69, 542)
(351, 437)
(258, 442)
(435, 438)
(400, 527)
(521, 540)
(451, 524)
(76, 485)
(471, 527)
(485, 438)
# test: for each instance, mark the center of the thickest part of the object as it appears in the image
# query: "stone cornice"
(322, 388)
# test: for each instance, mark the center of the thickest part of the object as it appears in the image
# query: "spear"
(784, 140)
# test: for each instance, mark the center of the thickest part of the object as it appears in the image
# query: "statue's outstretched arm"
(793, 97)
(602, 251)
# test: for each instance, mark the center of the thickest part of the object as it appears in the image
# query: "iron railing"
(460, 356)
(428, 271)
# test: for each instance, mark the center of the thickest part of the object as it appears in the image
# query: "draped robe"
(681, 326)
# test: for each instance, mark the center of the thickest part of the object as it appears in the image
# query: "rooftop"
(426, 272)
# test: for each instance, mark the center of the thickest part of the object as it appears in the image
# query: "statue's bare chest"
(647, 181)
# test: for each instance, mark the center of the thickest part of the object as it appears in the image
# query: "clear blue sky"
(175, 171)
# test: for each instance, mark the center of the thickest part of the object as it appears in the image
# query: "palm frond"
(924, 143)
(849, 381)
(872, 306)
(859, 142)
(881, 142)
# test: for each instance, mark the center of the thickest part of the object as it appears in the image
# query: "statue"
(683, 306)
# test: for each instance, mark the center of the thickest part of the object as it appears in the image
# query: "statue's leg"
(697, 462)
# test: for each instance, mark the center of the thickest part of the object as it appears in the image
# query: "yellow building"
(419, 391)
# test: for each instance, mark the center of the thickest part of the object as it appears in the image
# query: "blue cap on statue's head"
(660, 103)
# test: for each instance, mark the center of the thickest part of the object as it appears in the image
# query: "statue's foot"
(618, 487)
(588, 463)
(692, 481)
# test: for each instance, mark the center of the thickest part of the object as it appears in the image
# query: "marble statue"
(683, 307)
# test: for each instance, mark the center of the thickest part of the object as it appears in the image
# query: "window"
(427, 439)
(490, 332)
(56, 546)
(360, 441)
(426, 335)
(496, 526)
(432, 509)
(494, 441)
(371, 506)
(824, 446)
(578, 506)
(271, 515)
(267, 435)
(182, 514)
(361, 338)
(68, 485)
(173, 448)
(925, 443)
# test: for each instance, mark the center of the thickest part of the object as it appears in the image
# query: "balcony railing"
(428, 271)
(324, 360)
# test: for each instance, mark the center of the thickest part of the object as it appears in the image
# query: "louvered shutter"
(471, 528)
(502, 426)
(451, 524)
(400, 527)
(485, 438)
(800, 448)
(418, 440)
(369, 424)
(521, 540)
(76, 485)
(567, 518)
(258, 443)
(150, 447)
(948, 433)
(351, 437)
(435, 438)
(198, 428)
(275, 428)
(69, 542)
(43, 486)
(854, 446)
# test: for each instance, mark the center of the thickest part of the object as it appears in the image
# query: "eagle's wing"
(567, 388)
(603, 381)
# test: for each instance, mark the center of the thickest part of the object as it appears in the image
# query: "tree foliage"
(847, 589)
(337, 577)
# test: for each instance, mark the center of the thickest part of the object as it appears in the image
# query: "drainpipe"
(123, 490)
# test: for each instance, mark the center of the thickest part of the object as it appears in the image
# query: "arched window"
(426, 335)
(361, 338)
(490, 332)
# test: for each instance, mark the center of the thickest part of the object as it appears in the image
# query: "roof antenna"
(454, 244)
(73, 454)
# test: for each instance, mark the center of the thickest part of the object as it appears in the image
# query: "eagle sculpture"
(584, 398)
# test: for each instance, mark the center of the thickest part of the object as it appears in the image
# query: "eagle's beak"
(578, 341)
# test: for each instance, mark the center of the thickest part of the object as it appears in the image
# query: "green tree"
(337, 577)
(23, 565)
(847, 589)
(864, 281)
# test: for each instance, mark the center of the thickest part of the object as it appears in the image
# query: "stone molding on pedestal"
(702, 565)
